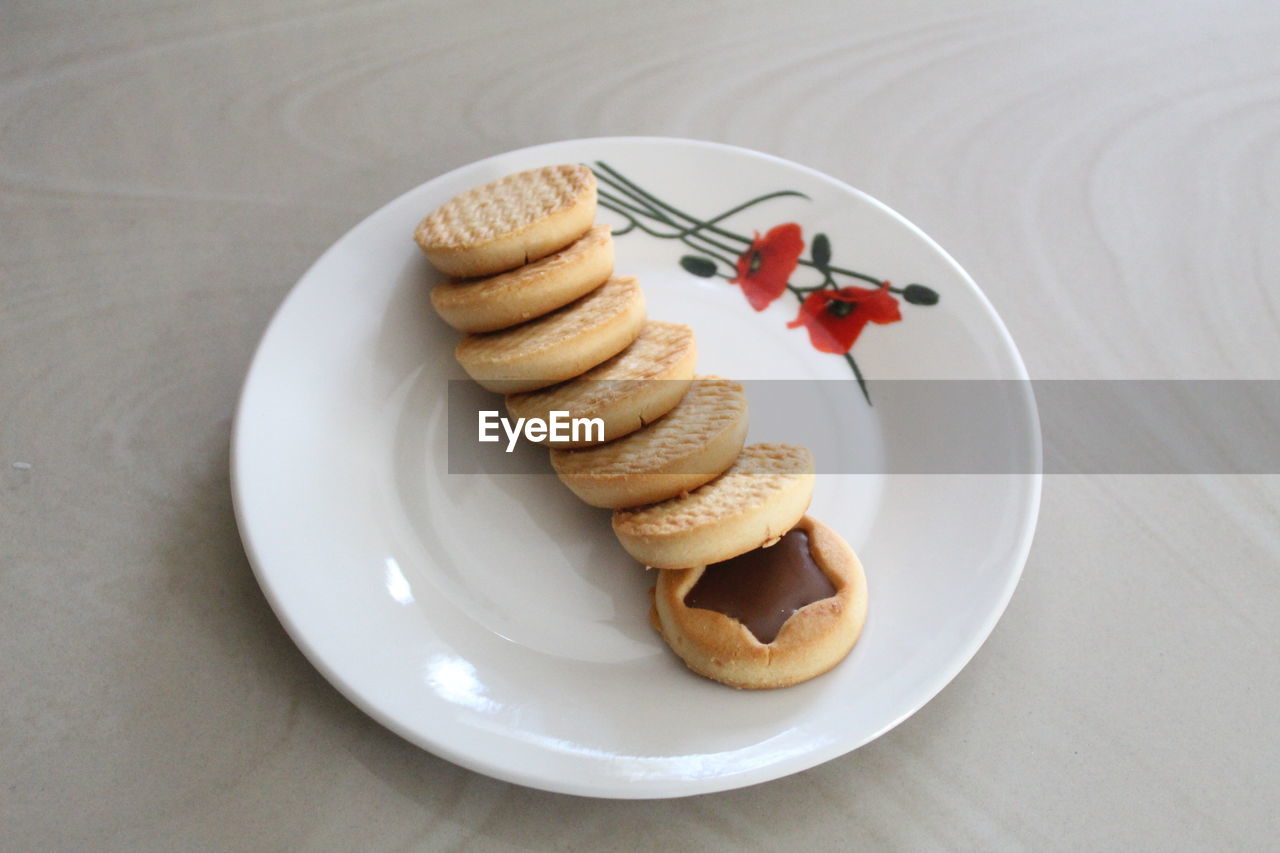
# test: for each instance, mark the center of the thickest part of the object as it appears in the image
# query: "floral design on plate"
(833, 312)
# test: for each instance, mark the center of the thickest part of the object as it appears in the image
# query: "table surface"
(1110, 176)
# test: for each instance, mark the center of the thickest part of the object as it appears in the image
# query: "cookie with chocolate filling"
(772, 617)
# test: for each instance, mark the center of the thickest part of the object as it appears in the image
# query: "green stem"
(633, 222)
(709, 253)
(746, 204)
(627, 211)
(619, 205)
(828, 270)
(862, 383)
(622, 184)
(616, 180)
(613, 202)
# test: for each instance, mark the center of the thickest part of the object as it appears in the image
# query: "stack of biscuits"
(529, 280)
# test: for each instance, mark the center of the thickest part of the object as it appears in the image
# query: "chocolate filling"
(762, 588)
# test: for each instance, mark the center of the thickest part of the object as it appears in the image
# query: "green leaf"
(918, 294)
(820, 251)
(698, 265)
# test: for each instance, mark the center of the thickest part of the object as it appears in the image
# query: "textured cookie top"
(759, 472)
(709, 406)
(504, 207)
(463, 292)
(651, 356)
(598, 308)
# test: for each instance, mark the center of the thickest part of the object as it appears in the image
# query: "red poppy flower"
(765, 267)
(835, 318)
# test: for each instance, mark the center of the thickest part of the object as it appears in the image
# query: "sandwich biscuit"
(509, 222)
(692, 444)
(503, 300)
(635, 387)
(557, 346)
(762, 495)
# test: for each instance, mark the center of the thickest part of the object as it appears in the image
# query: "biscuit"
(762, 495)
(811, 640)
(692, 444)
(557, 346)
(488, 304)
(509, 222)
(635, 387)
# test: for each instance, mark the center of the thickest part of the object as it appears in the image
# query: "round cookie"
(488, 304)
(557, 346)
(762, 495)
(509, 222)
(693, 443)
(635, 387)
(820, 616)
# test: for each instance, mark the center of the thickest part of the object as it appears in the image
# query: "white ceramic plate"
(494, 620)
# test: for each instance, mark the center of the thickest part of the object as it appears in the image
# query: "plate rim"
(679, 787)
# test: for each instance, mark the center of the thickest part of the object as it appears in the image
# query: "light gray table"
(1110, 176)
